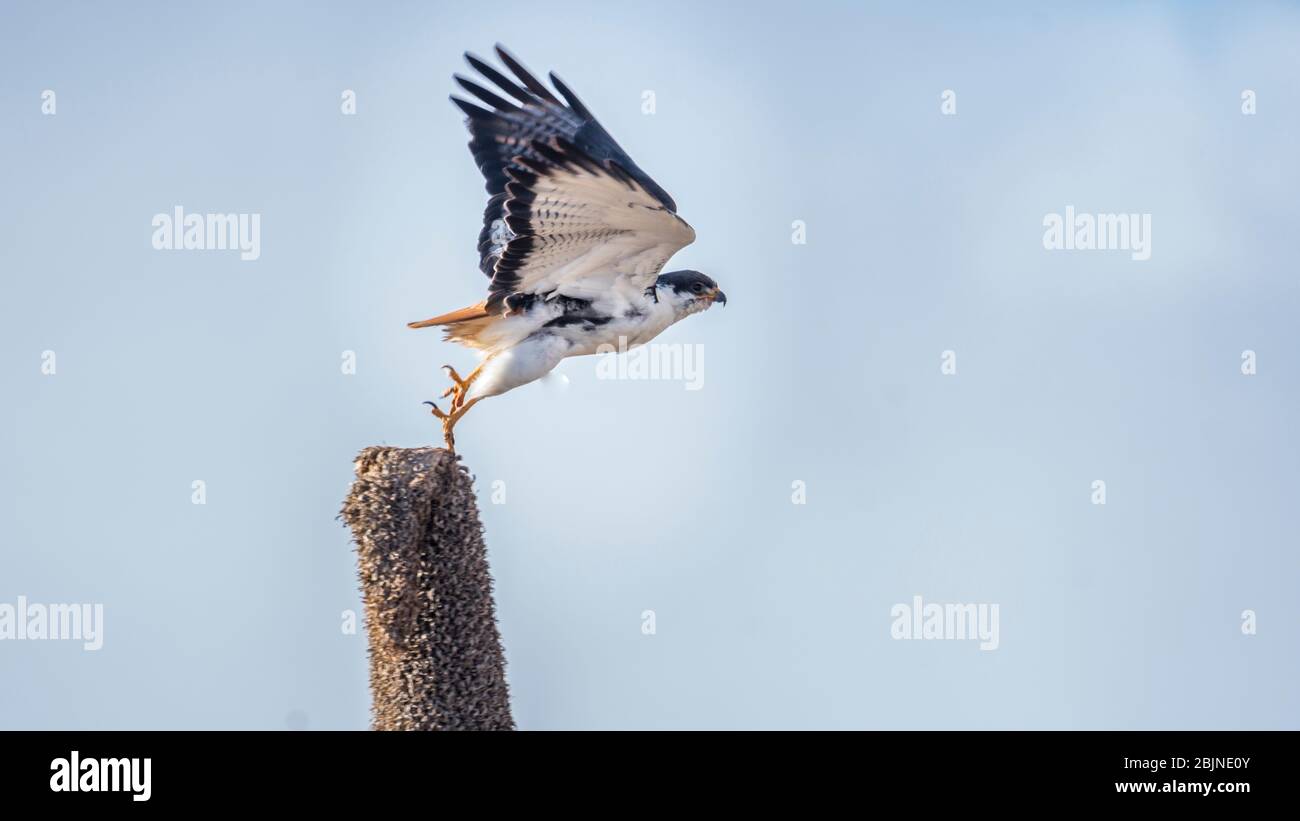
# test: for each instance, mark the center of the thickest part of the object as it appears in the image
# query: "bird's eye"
(697, 288)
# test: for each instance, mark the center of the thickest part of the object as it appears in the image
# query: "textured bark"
(436, 661)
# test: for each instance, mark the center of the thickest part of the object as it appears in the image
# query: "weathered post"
(436, 661)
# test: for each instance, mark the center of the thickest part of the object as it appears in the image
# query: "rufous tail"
(477, 311)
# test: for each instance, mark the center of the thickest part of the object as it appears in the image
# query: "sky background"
(924, 234)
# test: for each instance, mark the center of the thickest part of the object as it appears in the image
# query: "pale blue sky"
(924, 235)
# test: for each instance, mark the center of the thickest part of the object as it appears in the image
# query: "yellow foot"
(449, 420)
(460, 387)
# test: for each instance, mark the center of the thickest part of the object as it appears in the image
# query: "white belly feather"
(522, 349)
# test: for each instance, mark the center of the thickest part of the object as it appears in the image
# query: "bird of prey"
(574, 237)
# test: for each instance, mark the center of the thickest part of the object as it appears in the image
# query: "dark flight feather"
(510, 141)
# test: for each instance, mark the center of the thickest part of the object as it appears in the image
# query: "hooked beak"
(720, 297)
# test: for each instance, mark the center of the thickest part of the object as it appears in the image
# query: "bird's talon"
(449, 420)
(437, 411)
(459, 389)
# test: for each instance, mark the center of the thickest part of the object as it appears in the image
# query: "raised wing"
(569, 212)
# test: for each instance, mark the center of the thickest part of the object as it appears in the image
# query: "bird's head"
(688, 292)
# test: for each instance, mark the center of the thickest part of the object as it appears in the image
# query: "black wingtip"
(525, 76)
(483, 94)
(472, 111)
(503, 82)
(572, 98)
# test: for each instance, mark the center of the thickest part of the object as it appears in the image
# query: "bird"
(574, 238)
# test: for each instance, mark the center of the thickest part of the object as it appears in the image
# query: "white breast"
(634, 324)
